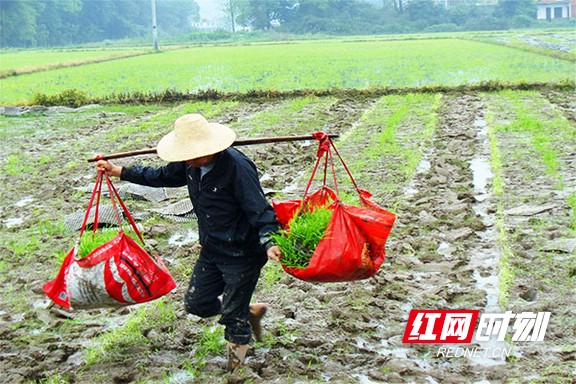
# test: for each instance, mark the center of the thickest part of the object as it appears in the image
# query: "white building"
(556, 9)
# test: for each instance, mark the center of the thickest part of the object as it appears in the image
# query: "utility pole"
(232, 16)
(154, 28)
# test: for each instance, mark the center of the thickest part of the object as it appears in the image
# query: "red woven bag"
(118, 273)
(353, 247)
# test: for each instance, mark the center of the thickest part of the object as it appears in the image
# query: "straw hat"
(193, 136)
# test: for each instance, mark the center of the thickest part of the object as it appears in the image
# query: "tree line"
(42, 23)
(379, 16)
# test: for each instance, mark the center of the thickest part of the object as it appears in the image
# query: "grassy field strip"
(296, 66)
(538, 44)
(525, 129)
(19, 61)
(394, 132)
(23, 62)
(543, 129)
(505, 272)
(290, 117)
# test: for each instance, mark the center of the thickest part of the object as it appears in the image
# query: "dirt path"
(445, 252)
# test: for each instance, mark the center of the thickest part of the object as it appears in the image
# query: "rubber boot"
(236, 355)
(257, 312)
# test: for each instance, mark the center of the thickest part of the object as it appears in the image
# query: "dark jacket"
(234, 217)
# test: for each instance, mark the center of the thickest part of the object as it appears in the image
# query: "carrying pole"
(237, 143)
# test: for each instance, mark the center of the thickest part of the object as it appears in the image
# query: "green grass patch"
(19, 62)
(319, 64)
(210, 342)
(395, 131)
(25, 247)
(55, 379)
(125, 131)
(128, 341)
(528, 118)
(505, 271)
(291, 117)
(272, 273)
(529, 139)
(16, 165)
(299, 242)
(32, 243)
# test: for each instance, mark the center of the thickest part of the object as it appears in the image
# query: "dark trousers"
(235, 279)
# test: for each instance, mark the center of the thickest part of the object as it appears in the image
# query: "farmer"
(234, 219)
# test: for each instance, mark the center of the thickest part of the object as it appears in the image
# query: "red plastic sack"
(117, 273)
(353, 246)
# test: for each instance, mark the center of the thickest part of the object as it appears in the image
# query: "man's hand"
(274, 253)
(108, 167)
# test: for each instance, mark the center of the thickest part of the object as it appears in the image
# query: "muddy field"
(445, 252)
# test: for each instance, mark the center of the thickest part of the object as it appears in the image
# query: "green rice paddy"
(296, 65)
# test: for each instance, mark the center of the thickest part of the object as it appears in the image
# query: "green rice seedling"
(92, 240)
(302, 236)
(16, 165)
(210, 341)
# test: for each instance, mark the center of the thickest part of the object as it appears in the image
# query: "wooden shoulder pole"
(237, 143)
